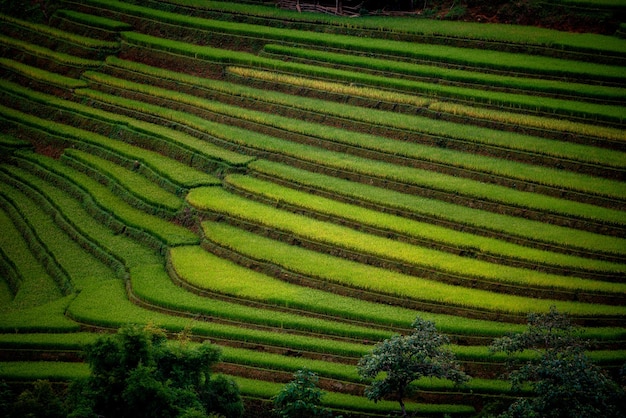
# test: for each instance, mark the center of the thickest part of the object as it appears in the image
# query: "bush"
(137, 373)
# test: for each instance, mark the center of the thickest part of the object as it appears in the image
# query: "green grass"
(48, 317)
(207, 271)
(442, 29)
(396, 97)
(220, 202)
(48, 341)
(174, 171)
(43, 76)
(454, 55)
(426, 179)
(341, 401)
(95, 21)
(134, 183)
(37, 287)
(6, 294)
(13, 142)
(198, 148)
(498, 167)
(382, 170)
(106, 305)
(167, 233)
(549, 124)
(379, 280)
(348, 373)
(76, 265)
(62, 371)
(94, 235)
(442, 129)
(534, 231)
(448, 74)
(407, 227)
(54, 371)
(46, 53)
(411, 123)
(225, 57)
(152, 284)
(60, 35)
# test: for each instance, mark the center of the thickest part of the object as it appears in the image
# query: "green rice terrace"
(295, 187)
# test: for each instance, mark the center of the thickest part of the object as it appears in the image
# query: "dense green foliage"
(137, 373)
(565, 383)
(404, 359)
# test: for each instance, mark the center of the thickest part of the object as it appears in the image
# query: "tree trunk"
(402, 407)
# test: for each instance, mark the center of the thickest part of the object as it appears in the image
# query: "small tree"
(301, 398)
(406, 358)
(563, 379)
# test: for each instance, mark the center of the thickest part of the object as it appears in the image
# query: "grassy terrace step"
(164, 232)
(256, 389)
(60, 35)
(75, 263)
(9, 144)
(11, 276)
(519, 147)
(394, 123)
(492, 36)
(205, 270)
(72, 342)
(565, 108)
(136, 189)
(528, 232)
(40, 75)
(154, 287)
(116, 250)
(37, 229)
(13, 142)
(175, 143)
(244, 358)
(99, 312)
(463, 269)
(319, 269)
(37, 286)
(449, 75)
(151, 280)
(420, 233)
(451, 55)
(403, 177)
(90, 20)
(106, 305)
(406, 103)
(94, 306)
(404, 153)
(59, 58)
(182, 176)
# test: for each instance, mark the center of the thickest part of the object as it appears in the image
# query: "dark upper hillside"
(591, 16)
(588, 16)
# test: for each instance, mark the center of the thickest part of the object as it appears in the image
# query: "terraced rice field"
(295, 190)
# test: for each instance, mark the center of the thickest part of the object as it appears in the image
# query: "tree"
(301, 398)
(406, 358)
(564, 381)
(40, 401)
(139, 373)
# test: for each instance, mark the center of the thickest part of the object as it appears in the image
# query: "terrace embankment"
(239, 136)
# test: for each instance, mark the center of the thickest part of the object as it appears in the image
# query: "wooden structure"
(336, 7)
